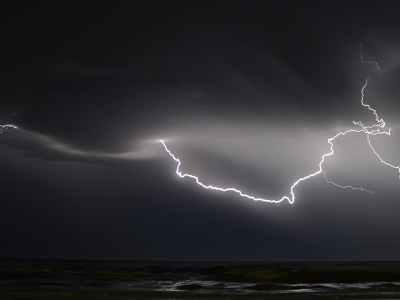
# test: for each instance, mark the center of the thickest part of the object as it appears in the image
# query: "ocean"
(95, 279)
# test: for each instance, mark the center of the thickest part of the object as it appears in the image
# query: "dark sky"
(246, 94)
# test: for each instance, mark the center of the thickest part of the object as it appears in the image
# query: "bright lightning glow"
(368, 130)
(6, 127)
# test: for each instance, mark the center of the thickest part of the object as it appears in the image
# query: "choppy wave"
(67, 279)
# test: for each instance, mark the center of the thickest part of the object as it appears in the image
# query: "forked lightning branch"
(375, 129)
(6, 127)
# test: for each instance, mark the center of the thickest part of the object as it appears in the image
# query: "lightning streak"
(380, 158)
(6, 127)
(368, 130)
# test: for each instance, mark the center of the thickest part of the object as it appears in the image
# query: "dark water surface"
(89, 279)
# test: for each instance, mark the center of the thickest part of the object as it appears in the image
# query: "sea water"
(92, 279)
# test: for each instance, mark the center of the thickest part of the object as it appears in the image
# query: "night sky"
(245, 94)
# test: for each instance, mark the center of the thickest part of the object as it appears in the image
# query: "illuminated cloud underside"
(368, 130)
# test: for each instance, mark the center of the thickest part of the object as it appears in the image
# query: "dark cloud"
(246, 95)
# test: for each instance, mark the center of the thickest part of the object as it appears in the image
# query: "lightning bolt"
(6, 127)
(368, 130)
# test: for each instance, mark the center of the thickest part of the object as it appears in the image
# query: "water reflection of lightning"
(368, 130)
(6, 127)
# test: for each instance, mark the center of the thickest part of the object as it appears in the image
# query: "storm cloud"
(245, 95)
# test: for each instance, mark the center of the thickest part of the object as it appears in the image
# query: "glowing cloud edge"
(368, 130)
